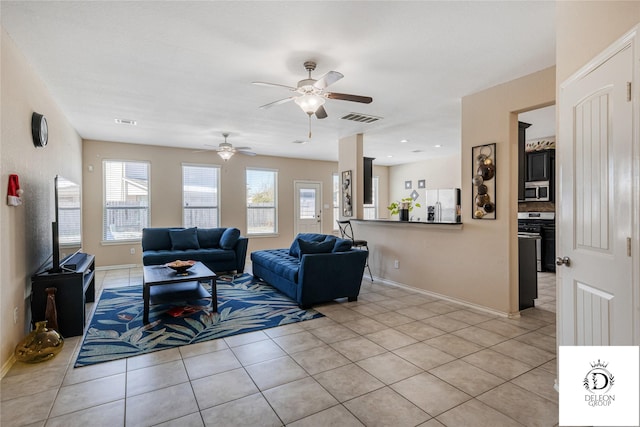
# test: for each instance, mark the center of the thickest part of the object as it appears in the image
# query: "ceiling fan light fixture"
(310, 102)
(225, 155)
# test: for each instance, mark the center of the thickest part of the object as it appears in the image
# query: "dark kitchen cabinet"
(539, 165)
(522, 139)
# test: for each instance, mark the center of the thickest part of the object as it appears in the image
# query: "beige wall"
(586, 28)
(439, 172)
(26, 230)
(478, 263)
(166, 193)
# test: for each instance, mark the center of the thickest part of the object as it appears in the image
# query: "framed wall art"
(347, 207)
(483, 159)
(407, 185)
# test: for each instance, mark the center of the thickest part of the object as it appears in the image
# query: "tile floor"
(393, 358)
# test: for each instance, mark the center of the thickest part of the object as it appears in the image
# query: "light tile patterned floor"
(393, 358)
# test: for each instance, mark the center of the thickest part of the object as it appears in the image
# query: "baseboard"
(7, 365)
(117, 267)
(447, 298)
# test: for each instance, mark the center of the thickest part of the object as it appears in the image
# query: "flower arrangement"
(405, 203)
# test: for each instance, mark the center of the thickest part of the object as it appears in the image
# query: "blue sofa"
(220, 249)
(316, 268)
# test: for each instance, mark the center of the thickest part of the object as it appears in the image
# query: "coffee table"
(161, 284)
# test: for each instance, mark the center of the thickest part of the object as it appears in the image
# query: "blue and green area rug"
(244, 305)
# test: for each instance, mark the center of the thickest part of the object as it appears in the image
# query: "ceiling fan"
(226, 150)
(311, 94)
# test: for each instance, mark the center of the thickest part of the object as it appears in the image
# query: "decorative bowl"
(180, 266)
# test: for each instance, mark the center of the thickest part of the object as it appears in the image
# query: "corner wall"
(491, 116)
(26, 229)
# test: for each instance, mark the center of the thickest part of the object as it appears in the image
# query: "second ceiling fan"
(312, 94)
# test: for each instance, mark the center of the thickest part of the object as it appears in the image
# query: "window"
(369, 211)
(126, 200)
(200, 196)
(262, 188)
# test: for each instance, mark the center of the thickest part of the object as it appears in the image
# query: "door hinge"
(628, 91)
(628, 246)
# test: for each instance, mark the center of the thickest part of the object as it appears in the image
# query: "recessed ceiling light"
(126, 122)
(437, 145)
(404, 140)
(389, 156)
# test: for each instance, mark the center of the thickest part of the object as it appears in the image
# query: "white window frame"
(370, 211)
(275, 202)
(124, 238)
(216, 189)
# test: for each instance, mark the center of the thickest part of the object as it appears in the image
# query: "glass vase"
(40, 345)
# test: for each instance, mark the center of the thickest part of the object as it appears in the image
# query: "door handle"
(563, 261)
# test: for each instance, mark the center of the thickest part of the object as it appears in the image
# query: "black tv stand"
(74, 289)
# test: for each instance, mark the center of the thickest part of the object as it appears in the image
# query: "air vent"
(417, 151)
(126, 122)
(362, 118)
(300, 141)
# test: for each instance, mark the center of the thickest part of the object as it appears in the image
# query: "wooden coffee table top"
(158, 274)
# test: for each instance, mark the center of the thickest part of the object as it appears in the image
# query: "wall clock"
(39, 130)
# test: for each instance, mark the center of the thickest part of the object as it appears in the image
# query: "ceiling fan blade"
(330, 78)
(282, 101)
(347, 97)
(274, 85)
(246, 153)
(242, 148)
(321, 113)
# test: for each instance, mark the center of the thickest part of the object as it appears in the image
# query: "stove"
(540, 226)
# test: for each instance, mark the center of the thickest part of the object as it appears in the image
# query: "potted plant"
(403, 207)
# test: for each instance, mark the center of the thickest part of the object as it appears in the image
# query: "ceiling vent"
(300, 141)
(417, 151)
(126, 122)
(362, 118)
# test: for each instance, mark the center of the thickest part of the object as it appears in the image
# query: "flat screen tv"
(67, 227)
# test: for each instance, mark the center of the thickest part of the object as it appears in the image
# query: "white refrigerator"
(443, 205)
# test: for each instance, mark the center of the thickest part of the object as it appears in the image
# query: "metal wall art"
(347, 208)
(483, 158)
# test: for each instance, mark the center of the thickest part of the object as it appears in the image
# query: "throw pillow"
(294, 250)
(210, 237)
(184, 239)
(315, 247)
(342, 245)
(229, 238)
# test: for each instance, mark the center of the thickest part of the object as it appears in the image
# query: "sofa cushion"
(229, 238)
(184, 239)
(294, 250)
(156, 238)
(210, 237)
(278, 261)
(203, 255)
(324, 247)
(342, 245)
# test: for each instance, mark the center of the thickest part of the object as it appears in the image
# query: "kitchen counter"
(395, 222)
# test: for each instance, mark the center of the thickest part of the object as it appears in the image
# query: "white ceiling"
(183, 70)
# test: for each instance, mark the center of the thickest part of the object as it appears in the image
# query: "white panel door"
(595, 287)
(308, 202)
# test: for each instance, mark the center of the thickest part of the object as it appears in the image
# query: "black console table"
(74, 289)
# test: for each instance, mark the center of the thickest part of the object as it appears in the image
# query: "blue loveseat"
(220, 249)
(316, 268)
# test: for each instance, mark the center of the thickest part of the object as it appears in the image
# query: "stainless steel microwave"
(537, 191)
